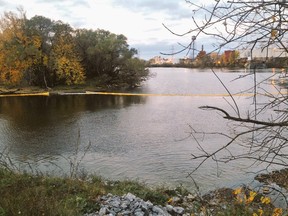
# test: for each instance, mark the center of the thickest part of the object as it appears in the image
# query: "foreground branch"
(247, 120)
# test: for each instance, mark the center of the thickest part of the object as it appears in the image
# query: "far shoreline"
(34, 90)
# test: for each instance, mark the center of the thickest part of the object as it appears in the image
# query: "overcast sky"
(139, 20)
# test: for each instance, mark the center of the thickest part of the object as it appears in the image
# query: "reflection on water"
(29, 121)
(130, 136)
(35, 111)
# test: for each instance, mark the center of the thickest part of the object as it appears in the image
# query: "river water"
(142, 137)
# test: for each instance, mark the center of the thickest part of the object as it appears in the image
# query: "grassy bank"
(25, 194)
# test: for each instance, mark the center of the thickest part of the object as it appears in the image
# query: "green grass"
(24, 194)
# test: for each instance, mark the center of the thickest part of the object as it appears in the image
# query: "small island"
(40, 52)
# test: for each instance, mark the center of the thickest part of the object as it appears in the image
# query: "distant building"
(185, 61)
(228, 54)
(158, 60)
(216, 58)
(264, 57)
(262, 54)
(214, 55)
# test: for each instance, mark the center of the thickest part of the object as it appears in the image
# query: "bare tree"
(262, 132)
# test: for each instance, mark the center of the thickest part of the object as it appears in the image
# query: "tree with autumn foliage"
(29, 55)
(64, 61)
(17, 50)
(203, 60)
(43, 52)
(229, 58)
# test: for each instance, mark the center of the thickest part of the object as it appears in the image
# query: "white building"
(159, 60)
(260, 53)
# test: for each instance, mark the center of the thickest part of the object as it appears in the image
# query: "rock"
(139, 212)
(191, 197)
(103, 211)
(169, 208)
(129, 204)
(130, 197)
(158, 210)
(178, 210)
(176, 200)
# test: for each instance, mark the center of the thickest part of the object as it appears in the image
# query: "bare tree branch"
(252, 25)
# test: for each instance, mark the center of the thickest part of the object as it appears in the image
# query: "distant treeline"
(43, 52)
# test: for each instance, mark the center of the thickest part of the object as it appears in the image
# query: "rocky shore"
(129, 204)
(180, 205)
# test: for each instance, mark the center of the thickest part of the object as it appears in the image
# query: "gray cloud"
(63, 2)
(171, 8)
(78, 23)
(3, 3)
(165, 48)
(66, 8)
(6, 5)
(147, 51)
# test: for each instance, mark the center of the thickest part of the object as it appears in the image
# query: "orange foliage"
(66, 63)
(16, 48)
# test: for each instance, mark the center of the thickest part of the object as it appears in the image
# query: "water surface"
(131, 137)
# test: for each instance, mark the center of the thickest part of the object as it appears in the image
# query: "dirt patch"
(221, 195)
(279, 177)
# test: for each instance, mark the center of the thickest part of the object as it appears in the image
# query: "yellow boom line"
(189, 95)
(25, 94)
(142, 94)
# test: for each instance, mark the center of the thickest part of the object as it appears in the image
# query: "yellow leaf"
(170, 200)
(237, 191)
(252, 195)
(260, 212)
(274, 33)
(265, 200)
(277, 212)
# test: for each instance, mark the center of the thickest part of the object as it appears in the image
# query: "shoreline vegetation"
(76, 88)
(26, 194)
(33, 90)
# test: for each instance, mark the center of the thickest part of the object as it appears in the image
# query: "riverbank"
(24, 194)
(56, 90)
